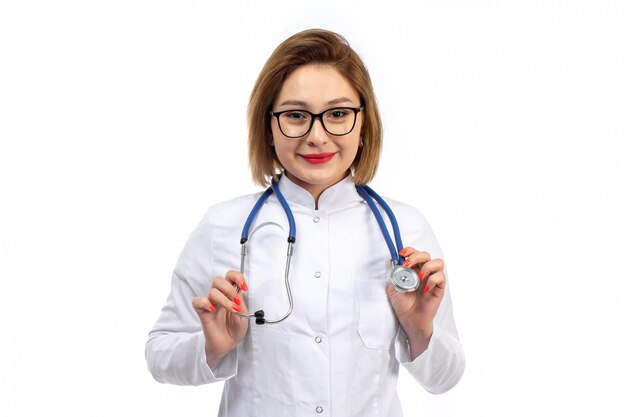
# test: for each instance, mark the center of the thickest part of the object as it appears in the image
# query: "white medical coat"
(339, 352)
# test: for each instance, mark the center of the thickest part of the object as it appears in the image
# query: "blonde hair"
(313, 46)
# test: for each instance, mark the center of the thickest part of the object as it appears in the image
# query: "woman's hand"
(416, 310)
(223, 330)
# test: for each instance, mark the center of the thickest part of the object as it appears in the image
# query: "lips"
(318, 158)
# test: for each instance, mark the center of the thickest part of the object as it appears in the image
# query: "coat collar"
(335, 197)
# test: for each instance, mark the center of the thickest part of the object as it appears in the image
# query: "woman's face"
(319, 159)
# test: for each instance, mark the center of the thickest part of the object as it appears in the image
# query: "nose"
(317, 135)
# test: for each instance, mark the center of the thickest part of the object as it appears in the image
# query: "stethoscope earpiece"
(260, 317)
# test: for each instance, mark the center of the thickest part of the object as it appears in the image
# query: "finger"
(227, 288)
(431, 267)
(236, 278)
(435, 281)
(408, 251)
(224, 286)
(415, 258)
(219, 299)
(202, 304)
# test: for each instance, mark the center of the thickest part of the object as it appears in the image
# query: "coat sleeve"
(175, 348)
(441, 365)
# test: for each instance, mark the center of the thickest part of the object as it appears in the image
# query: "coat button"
(318, 274)
(319, 409)
(316, 219)
(318, 339)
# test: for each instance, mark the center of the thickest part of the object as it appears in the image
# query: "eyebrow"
(302, 103)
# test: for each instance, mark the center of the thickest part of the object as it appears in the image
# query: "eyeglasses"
(338, 121)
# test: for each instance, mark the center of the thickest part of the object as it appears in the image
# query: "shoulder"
(235, 205)
(216, 236)
(229, 211)
(406, 214)
(415, 229)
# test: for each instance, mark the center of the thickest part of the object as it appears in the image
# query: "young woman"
(329, 329)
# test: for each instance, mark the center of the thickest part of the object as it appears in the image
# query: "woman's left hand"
(416, 310)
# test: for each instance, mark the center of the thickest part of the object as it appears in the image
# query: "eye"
(337, 114)
(295, 115)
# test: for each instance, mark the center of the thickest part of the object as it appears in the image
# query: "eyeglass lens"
(297, 123)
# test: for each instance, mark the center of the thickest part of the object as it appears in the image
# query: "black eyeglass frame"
(314, 116)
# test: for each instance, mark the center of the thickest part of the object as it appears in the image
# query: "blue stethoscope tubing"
(367, 193)
(403, 278)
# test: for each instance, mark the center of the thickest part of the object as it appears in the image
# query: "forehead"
(316, 85)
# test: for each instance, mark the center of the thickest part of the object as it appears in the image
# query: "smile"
(318, 158)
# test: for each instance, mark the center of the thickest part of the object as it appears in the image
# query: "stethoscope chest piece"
(404, 279)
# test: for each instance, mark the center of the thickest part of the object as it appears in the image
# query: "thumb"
(391, 290)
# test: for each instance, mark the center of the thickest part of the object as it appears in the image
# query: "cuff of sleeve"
(226, 368)
(403, 355)
(422, 367)
(439, 367)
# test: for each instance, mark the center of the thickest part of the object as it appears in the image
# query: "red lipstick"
(318, 158)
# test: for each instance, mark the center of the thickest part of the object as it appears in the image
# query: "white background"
(121, 122)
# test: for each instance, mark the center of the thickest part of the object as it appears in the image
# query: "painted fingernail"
(426, 288)
(403, 252)
(244, 286)
(236, 308)
(420, 275)
(212, 309)
(236, 300)
(406, 263)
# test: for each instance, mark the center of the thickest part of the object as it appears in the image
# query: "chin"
(322, 179)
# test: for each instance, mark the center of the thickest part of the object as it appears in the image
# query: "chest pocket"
(377, 323)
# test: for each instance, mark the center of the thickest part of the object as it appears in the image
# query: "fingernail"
(426, 288)
(244, 286)
(236, 300)
(406, 263)
(236, 308)
(212, 309)
(403, 252)
(420, 275)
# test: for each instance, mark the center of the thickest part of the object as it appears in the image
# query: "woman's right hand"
(223, 329)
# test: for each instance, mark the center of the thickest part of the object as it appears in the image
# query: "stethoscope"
(404, 279)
